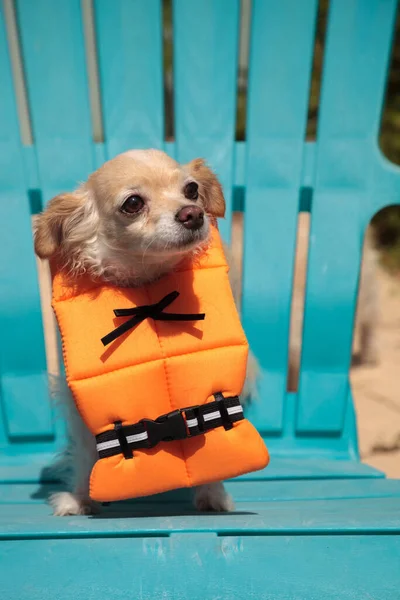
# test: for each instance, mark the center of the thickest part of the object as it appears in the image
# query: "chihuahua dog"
(132, 222)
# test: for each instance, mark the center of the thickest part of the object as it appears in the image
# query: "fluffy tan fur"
(88, 231)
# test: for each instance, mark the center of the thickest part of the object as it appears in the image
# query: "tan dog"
(132, 222)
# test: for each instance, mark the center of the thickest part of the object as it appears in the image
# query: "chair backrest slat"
(55, 67)
(280, 61)
(129, 42)
(356, 58)
(24, 396)
(206, 38)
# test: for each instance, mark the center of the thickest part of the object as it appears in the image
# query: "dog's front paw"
(68, 504)
(213, 497)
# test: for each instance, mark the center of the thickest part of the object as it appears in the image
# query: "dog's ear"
(210, 187)
(52, 225)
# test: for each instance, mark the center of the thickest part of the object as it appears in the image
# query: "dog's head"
(135, 218)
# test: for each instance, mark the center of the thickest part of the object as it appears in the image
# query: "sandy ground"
(377, 389)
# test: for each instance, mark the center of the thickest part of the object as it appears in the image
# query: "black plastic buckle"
(123, 442)
(226, 422)
(197, 413)
(166, 428)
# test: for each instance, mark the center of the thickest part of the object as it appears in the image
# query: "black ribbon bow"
(149, 311)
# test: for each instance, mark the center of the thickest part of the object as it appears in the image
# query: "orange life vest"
(188, 372)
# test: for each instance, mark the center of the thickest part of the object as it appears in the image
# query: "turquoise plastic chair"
(317, 523)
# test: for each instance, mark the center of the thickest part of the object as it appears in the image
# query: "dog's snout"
(191, 217)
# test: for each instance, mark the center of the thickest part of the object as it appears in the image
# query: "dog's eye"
(191, 190)
(132, 205)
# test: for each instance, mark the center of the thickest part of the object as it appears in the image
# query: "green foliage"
(387, 233)
(390, 131)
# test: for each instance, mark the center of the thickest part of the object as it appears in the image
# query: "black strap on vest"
(149, 311)
(176, 425)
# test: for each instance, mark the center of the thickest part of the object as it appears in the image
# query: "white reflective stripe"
(107, 445)
(137, 437)
(233, 410)
(211, 416)
(140, 437)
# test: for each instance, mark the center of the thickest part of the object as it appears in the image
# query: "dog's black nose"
(191, 217)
